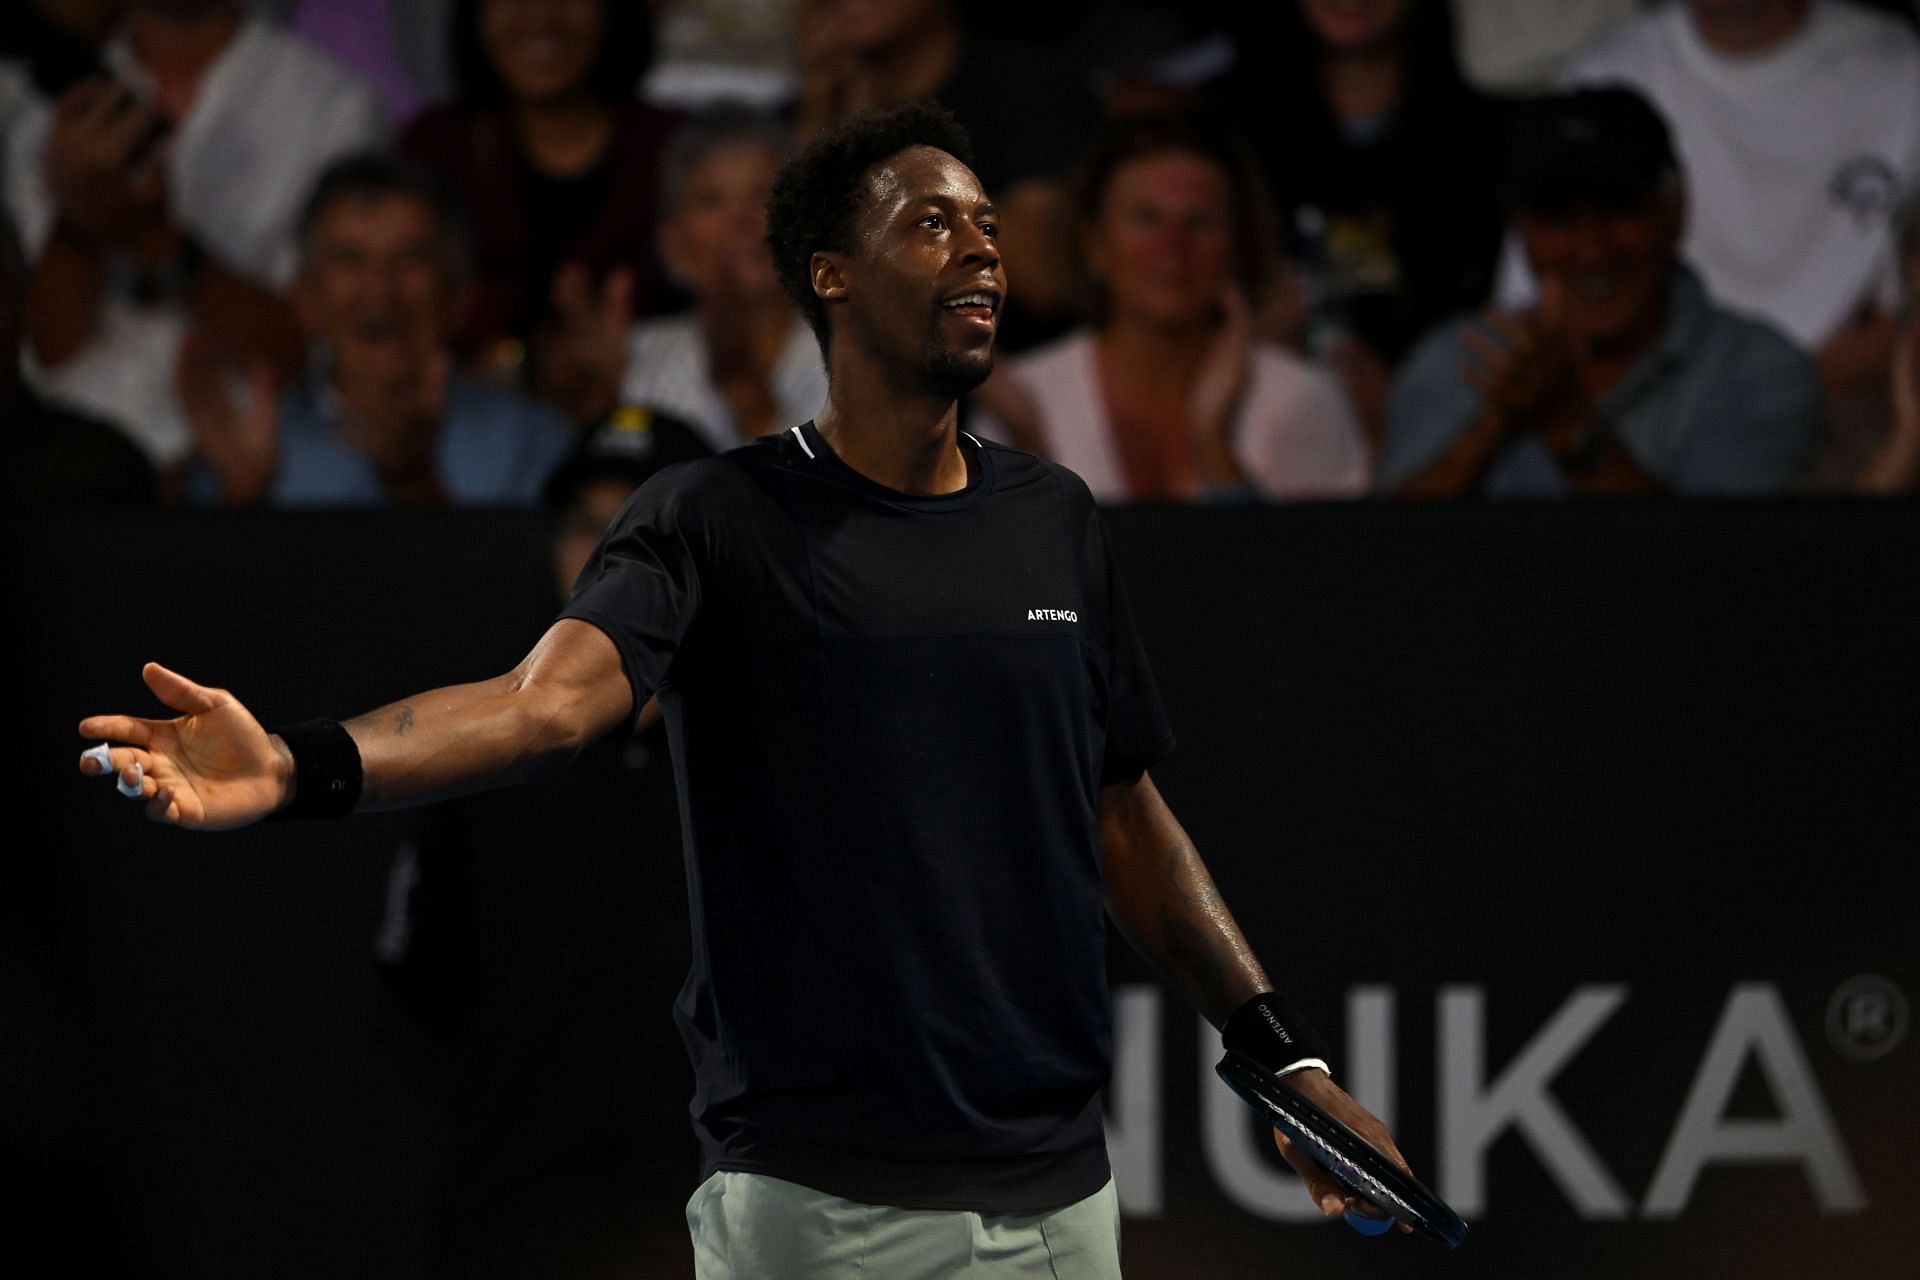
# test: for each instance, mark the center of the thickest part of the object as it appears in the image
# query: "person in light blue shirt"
(382, 417)
(493, 447)
(1626, 378)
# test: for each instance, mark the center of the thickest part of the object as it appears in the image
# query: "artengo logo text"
(1052, 615)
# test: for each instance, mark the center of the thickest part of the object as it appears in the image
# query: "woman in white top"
(1170, 395)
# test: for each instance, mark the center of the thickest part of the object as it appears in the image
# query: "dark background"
(1525, 750)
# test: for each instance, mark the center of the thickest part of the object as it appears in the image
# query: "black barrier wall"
(1586, 833)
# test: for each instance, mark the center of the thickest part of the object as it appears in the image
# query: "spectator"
(1894, 467)
(555, 160)
(1378, 156)
(1170, 395)
(587, 491)
(741, 363)
(384, 418)
(1798, 122)
(54, 458)
(1521, 46)
(161, 202)
(1625, 379)
(1028, 110)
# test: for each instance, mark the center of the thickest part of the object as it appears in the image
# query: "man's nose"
(976, 246)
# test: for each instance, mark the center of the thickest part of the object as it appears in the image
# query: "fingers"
(131, 123)
(1320, 1184)
(91, 103)
(260, 386)
(132, 770)
(163, 807)
(1489, 355)
(433, 389)
(572, 299)
(1553, 300)
(179, 692)
(1486, 364)
(120, 763)
(118, 729)
(616, 300)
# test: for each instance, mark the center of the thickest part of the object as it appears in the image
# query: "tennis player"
(911, 725)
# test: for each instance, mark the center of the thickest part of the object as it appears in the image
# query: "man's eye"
(933, 220)
(991, 230)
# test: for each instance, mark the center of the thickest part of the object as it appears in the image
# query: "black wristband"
(1271, 1031)
(326, 770)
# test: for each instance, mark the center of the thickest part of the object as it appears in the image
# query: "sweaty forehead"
(917, 173)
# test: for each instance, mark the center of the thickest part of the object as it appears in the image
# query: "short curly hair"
(817, 194)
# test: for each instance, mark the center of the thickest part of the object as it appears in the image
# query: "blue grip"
(1370, 1226)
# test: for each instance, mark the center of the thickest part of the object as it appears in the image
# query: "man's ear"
(828, 272)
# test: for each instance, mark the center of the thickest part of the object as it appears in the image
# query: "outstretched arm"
(1161, 895)
(213, 767)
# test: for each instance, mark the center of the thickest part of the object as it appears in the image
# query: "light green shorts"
(747, 1226)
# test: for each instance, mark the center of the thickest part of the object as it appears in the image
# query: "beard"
(951, 372)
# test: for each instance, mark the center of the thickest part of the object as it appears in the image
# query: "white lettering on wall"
(1754, 1022)
(1473, 1114)
(1133, 1100)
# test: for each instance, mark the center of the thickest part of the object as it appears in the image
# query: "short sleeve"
(1137, 733)
(642, 585)
(1763, 428)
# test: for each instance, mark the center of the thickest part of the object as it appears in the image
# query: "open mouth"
(976, 306)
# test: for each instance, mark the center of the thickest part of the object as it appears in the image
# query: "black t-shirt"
(890, 717)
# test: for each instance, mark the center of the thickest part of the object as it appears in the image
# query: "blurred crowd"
(365, 252)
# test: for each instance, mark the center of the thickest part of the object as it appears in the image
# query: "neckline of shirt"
(819, 454)
(1763, 72)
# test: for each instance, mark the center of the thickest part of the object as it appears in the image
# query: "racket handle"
(1370, 1226)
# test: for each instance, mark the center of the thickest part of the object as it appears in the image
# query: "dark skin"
(899, 358)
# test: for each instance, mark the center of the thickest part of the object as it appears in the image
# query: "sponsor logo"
(1052, 615)
(1481, 1101)
(1866, 187)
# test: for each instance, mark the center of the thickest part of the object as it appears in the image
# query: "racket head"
(1353, 1162)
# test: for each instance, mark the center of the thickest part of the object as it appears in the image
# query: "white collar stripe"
(801, 437)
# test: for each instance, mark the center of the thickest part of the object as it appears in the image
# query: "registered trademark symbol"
(1866, 1018)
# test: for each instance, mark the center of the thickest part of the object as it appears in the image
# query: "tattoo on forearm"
(1179, 876)
(402, 721)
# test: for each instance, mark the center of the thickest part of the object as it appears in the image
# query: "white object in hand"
(131, 791)
(99, 753)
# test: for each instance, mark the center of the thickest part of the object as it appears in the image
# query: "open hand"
(211, 768)
(97, 134)
(242, 445)
(1223, 370)
(1334, 1200)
